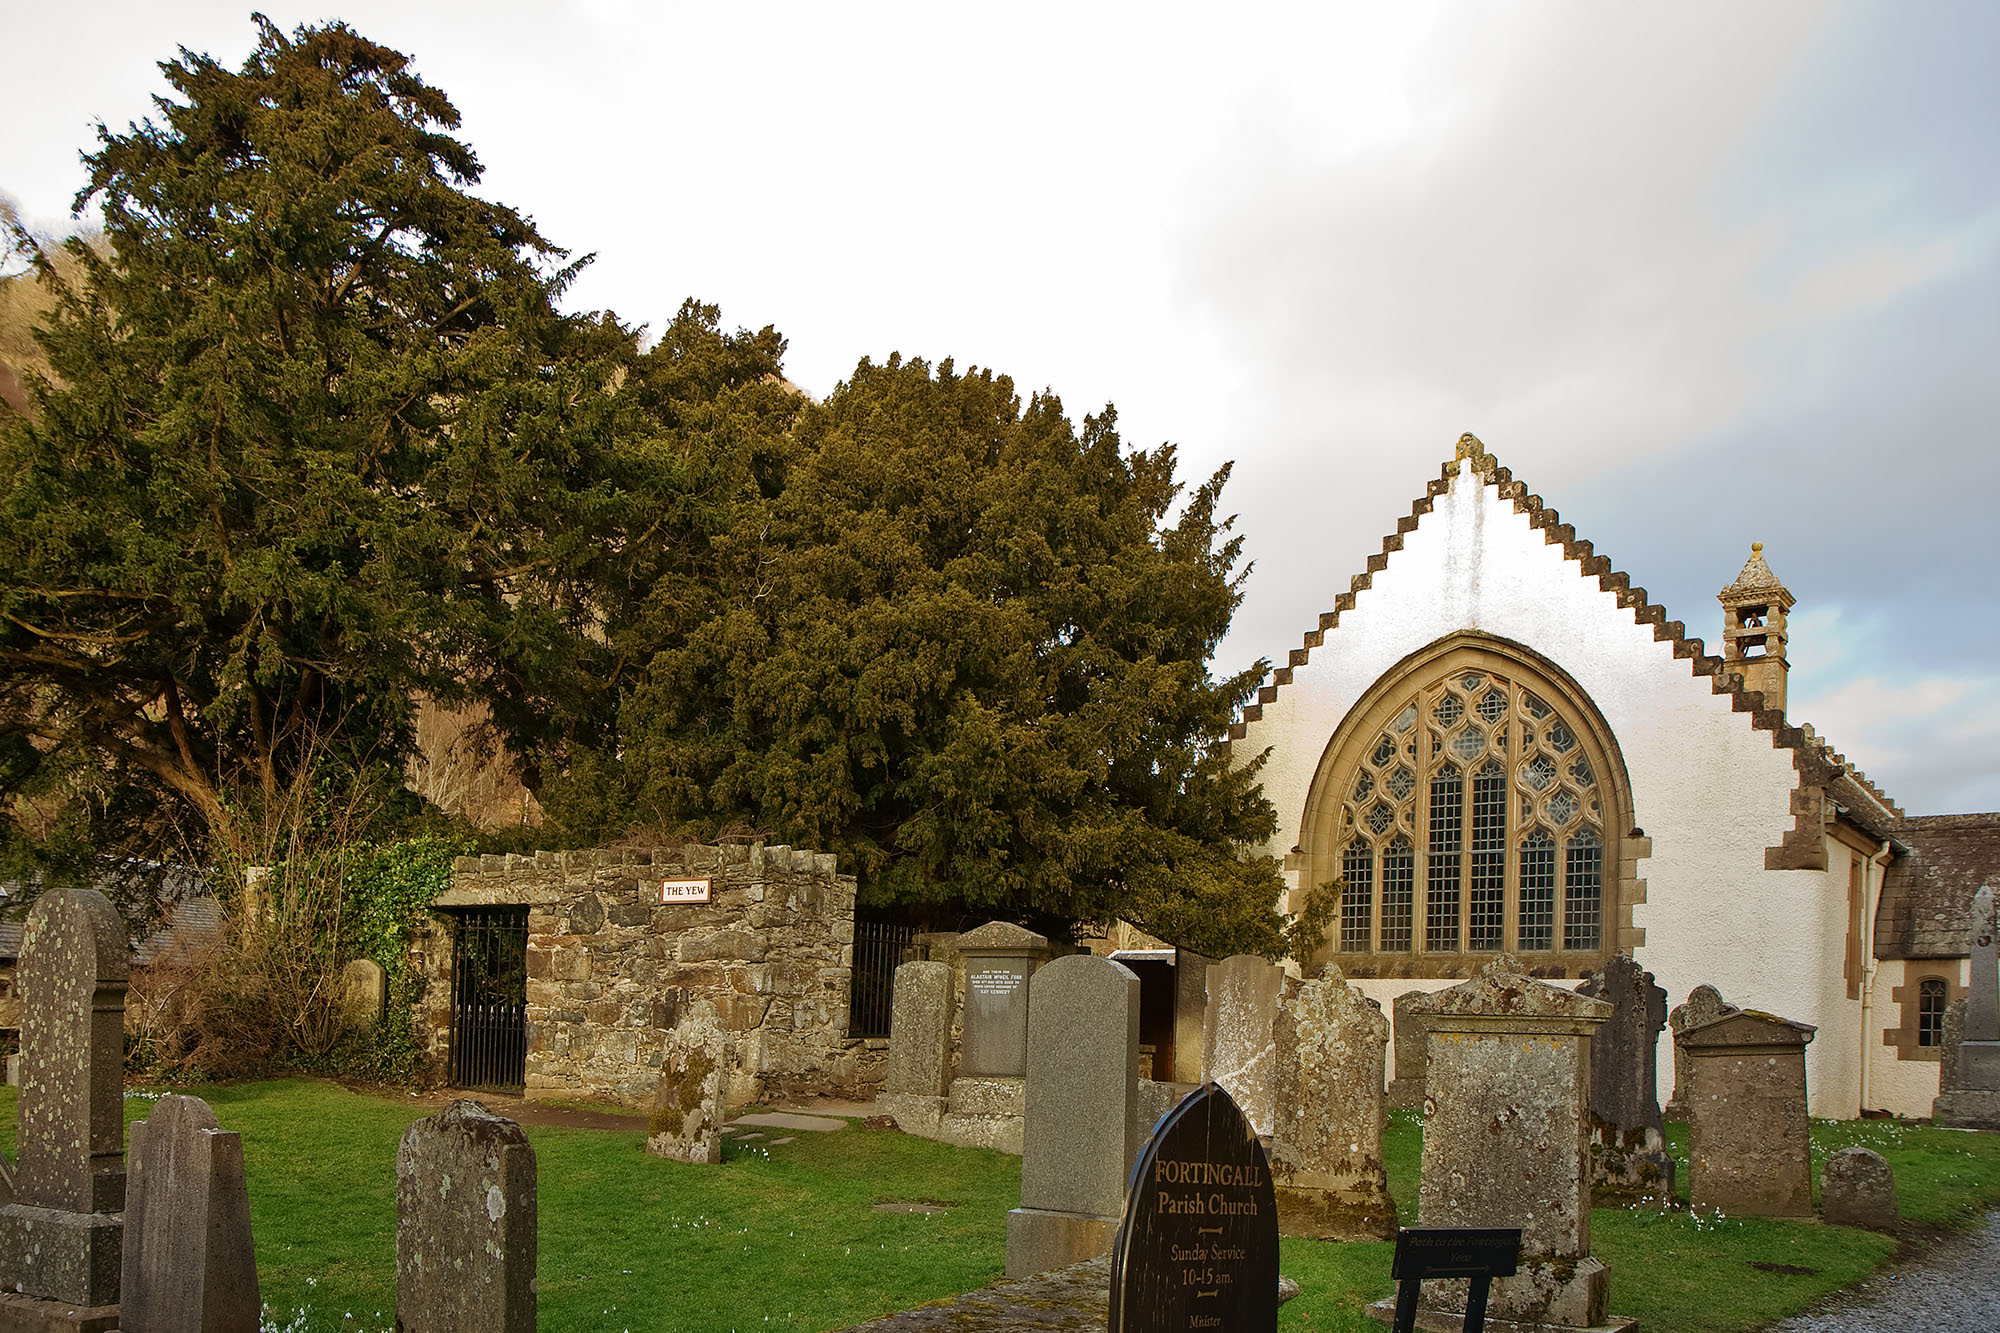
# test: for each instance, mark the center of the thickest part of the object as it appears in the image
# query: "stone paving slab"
(814, 1124)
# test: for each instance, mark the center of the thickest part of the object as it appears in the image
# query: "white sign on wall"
(683, 890)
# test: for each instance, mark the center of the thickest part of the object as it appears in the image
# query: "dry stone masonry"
(1326, 1149)
(1749, 1150)
(189, 1266)
(612, 967)
(60, 1234)
(465, 1224)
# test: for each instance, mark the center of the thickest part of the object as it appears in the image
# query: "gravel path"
(1955, 1288)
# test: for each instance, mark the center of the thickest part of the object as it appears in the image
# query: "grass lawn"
(786, 1236)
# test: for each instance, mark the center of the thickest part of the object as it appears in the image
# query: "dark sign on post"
(1198, 1245)
(1478, 1253)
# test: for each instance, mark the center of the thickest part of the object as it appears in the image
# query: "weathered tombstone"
(1190, 1014)
(919, 1076)
(696, 1063)
(1326, 1142)
(364, 993)
(1198, 1245)
(999, 959)
(188, 1266)
(1080, 1134)
(1858, 1189)
(1749, 1151)
(1406, 1089)
(465, 1224)
(1628, 1155)
(1952, 1038)
(1507, 1106)
(1237, 1049)
(1704, 1004)
(60, 1234)
(1974, 1102)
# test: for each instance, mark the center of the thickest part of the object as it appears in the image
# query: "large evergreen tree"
(316, 437)
(966, 646)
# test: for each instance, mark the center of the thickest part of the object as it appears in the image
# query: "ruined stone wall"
(612, 969)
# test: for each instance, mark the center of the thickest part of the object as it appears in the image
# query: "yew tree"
(315, 438)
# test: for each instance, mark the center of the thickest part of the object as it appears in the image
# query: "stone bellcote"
(1753, 628)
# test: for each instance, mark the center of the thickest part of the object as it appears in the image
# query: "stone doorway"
(489, 999)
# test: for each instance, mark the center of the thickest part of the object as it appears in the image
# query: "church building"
(1500, 744)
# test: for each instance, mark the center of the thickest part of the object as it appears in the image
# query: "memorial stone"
(60, 1233)
(1749, 1153)
(999, 960)
(1952, 1038)
(1704, 1004)
(1858, 1189)
(1190, 1014)
(1198, 1246)
(1406, 1089)
(1080, 1133)
(465, 1224)
(1507, 1106)
(919, 1076)
(364, 993)
(1974, 1101)
(1326, 1144)
(1237, 1048)
(1628, 1154)
(189, 1266)
(697, 1060)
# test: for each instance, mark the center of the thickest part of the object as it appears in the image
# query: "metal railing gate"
(878, 949)
(489, 1000)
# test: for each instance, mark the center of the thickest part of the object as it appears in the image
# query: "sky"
(1700, 274)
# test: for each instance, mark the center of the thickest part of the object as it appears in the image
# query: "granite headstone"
(189, 1266)
(919, 1076)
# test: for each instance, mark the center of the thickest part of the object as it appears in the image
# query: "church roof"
(1755, 581)
(1941, 862)
(1823, 771)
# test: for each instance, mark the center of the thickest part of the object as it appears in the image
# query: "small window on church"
(1930, 1012)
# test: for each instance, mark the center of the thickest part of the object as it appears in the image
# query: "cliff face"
(10, 389)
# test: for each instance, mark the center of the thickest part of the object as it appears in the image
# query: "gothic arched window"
(1468, 806)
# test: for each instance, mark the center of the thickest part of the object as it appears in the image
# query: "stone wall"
(611, 969)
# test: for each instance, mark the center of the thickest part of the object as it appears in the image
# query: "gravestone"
(919, 1076)
(465, 1224)
(1704, 1004)
(1326, 1144)
(1951, 1039)
(1628, 1155)
(189, 1266)
(999, 960)
(1507, 1105)
(364, 993)
(1858, 1189)
(1974, 1101)
(1237, 1049)
(697, 1060)
(1080, 1133)
(1198, 1245)
(60, 1233)
(1749, 1153)
(1406, 1089)
(1190, 1014)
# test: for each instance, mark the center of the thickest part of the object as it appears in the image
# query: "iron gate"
(879, 947)
(489, 1000)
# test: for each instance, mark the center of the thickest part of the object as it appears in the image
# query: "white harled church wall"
(1906, 1087)
(1710, 791)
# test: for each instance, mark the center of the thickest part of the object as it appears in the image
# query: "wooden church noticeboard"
(1198, 1245)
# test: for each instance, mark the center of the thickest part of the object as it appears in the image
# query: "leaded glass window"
(1357, 901)
(1930, 1012)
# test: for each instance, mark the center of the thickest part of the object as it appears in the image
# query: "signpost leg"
(1475, 1305)
(1406, 1305)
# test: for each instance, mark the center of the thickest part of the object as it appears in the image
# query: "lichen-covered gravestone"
(1704, 1004)
(1326, 1144)
(1749, 1146)
(1238, 1050)
(1628, 1155)
(1080, 1134)
(60, 1234)
(919, 1076)
(189, 1266)
(1406, 1089)
(695, 1069)
(1973, 1099)
(465, 1224)
(1858, 1189)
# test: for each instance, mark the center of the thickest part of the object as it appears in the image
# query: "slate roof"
(188, 913)
(1941, 861)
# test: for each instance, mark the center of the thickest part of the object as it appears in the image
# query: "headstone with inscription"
(60, 1234)
(1326, 1143)
(919, 1074)
(1704, 1004)
(1198, 1245)
(999, 959)
(1975, 1102)
(1628, 1154)
(1239, 1050)
(189, 1266)
(465, 1224)
(1081, 1131)
(1411, 1037)
(1749, 1146)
